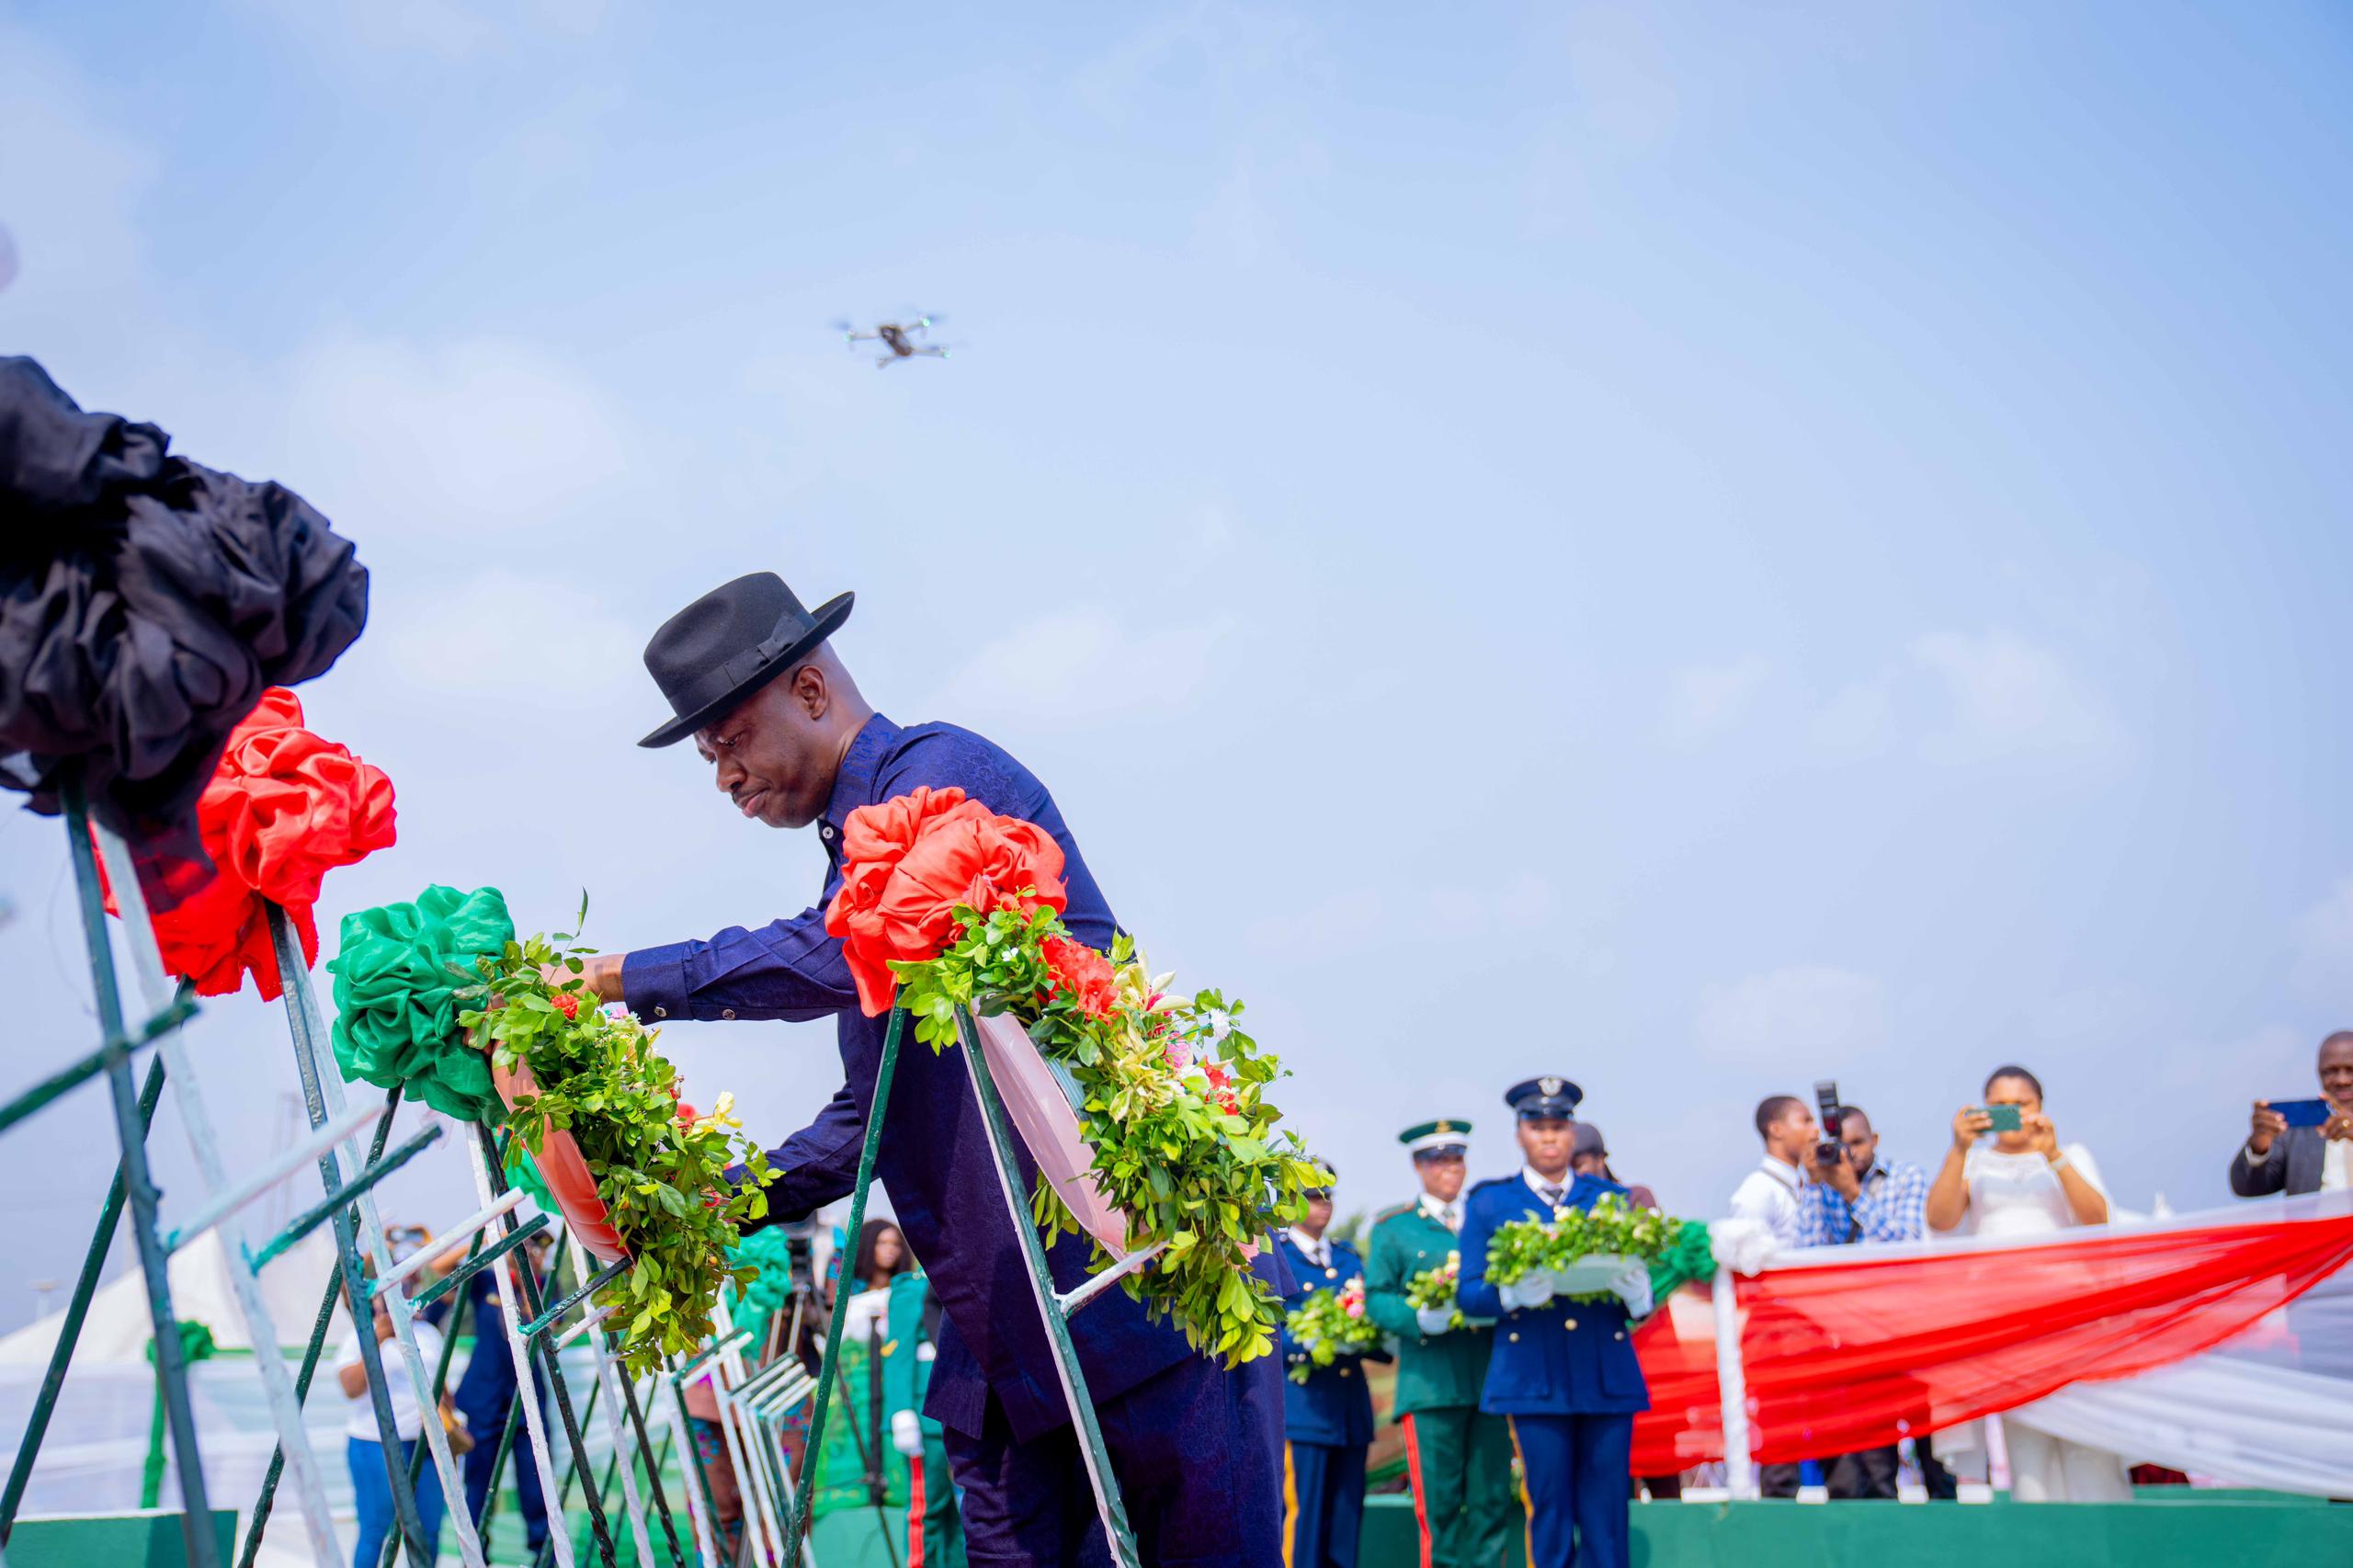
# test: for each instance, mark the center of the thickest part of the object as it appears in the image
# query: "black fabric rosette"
(146, 603)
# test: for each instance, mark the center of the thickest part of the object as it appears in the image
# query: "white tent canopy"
(118, 1327)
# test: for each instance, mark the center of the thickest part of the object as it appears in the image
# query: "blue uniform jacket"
(935, 1158)
(1565, 1357)
(1334, 1406)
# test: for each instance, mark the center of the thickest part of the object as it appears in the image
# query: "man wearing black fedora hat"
(750, 676)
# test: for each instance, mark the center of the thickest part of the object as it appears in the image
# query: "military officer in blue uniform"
(752, 678)
(1563, 1372)
(1327, 1420)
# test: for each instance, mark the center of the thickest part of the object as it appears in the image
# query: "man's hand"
(599, 977)
(1833, 1172)
(2265, 1125)
(2339, 1129)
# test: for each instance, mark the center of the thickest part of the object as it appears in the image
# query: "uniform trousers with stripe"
(1323, 1505)
(1576, 1470)
(1459, 1461)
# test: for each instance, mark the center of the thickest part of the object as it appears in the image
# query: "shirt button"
(1619, 1335)
(1569, 1323)
(727, 1013)
(826, 831)
(1514, 1337)
(1343, 1371)
(661, 1012)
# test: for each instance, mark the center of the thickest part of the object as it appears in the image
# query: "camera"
(1826, 1099)
(800, 1244)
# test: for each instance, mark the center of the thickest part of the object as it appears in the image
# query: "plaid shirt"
(1893, 1208)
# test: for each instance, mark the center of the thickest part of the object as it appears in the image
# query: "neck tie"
(1451, 1217)
(1552, 1195)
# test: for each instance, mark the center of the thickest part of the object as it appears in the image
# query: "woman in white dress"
(2024, 1184)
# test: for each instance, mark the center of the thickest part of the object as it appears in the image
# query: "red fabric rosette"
(908, 862)
(283, 808)
(1082, 973)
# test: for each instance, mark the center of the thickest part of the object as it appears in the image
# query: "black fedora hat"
(725, 645)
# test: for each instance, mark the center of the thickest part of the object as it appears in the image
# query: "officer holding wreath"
(1458, 1458)
(1563, 1372)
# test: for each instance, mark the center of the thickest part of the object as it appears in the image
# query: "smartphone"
(2301, 1113)
(2006, 1117)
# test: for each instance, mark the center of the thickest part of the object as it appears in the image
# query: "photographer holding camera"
(1866, 1199)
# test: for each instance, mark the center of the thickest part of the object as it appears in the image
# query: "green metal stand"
(1053, 1308)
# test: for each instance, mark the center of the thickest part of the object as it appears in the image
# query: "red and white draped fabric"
(1856, 1347)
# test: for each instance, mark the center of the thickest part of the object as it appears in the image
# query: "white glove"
(1534, 1290)
(1434, 1320)
(906, 1433)
(1632, 1286)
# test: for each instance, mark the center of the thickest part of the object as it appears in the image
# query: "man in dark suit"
(1328, 1417)
(755, 682)
(2281, 1158)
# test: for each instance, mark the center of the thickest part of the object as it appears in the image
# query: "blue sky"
(1690, 548)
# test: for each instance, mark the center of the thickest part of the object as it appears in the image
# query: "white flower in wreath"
(1219, 1024)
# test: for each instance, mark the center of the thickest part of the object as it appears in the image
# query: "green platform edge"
(147, 1538)
(2170, 1525)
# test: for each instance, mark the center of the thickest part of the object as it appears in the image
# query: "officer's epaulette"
(1393, 1211)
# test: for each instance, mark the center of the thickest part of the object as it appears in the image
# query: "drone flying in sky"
(900, 340)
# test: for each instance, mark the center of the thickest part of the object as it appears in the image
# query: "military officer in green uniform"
(1457, 1457)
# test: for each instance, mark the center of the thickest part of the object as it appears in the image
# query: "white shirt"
(2336, 1166)
(1317, 1248)
(2020, 1194)
(1447, 1214)
(1536, 1184)
(359, 1419)
(1769, 1195)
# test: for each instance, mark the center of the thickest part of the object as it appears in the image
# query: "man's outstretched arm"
(819, 1163)
(788, 968)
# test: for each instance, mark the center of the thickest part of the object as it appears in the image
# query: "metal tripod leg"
(277, 1383)
(131, 1131)
(1108, 1504)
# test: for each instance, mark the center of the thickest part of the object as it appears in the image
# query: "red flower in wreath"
(908, 862)
(283, 808)
(1082, 973)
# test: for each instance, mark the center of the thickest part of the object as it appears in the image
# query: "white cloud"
(505, 635)
(447, 30)
(1706, 699)
(1081, 666)
(1623, 74)
(2010, 698)
(1808, 1016)
(2324, 944)
(1859, 718)
(451, 440)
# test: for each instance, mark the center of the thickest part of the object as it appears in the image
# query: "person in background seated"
(2294, 1160)
(2024, 1184)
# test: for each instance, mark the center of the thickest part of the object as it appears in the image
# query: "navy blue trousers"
(1323, 1505)
(1576, 1468)
(486, 1420)
(1197, 1451)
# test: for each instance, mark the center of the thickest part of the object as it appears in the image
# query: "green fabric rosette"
(1689, 1259)
(396, 984)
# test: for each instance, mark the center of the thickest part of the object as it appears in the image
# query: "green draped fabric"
(1689, 1259)
(396, 981)
(196, 1345)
